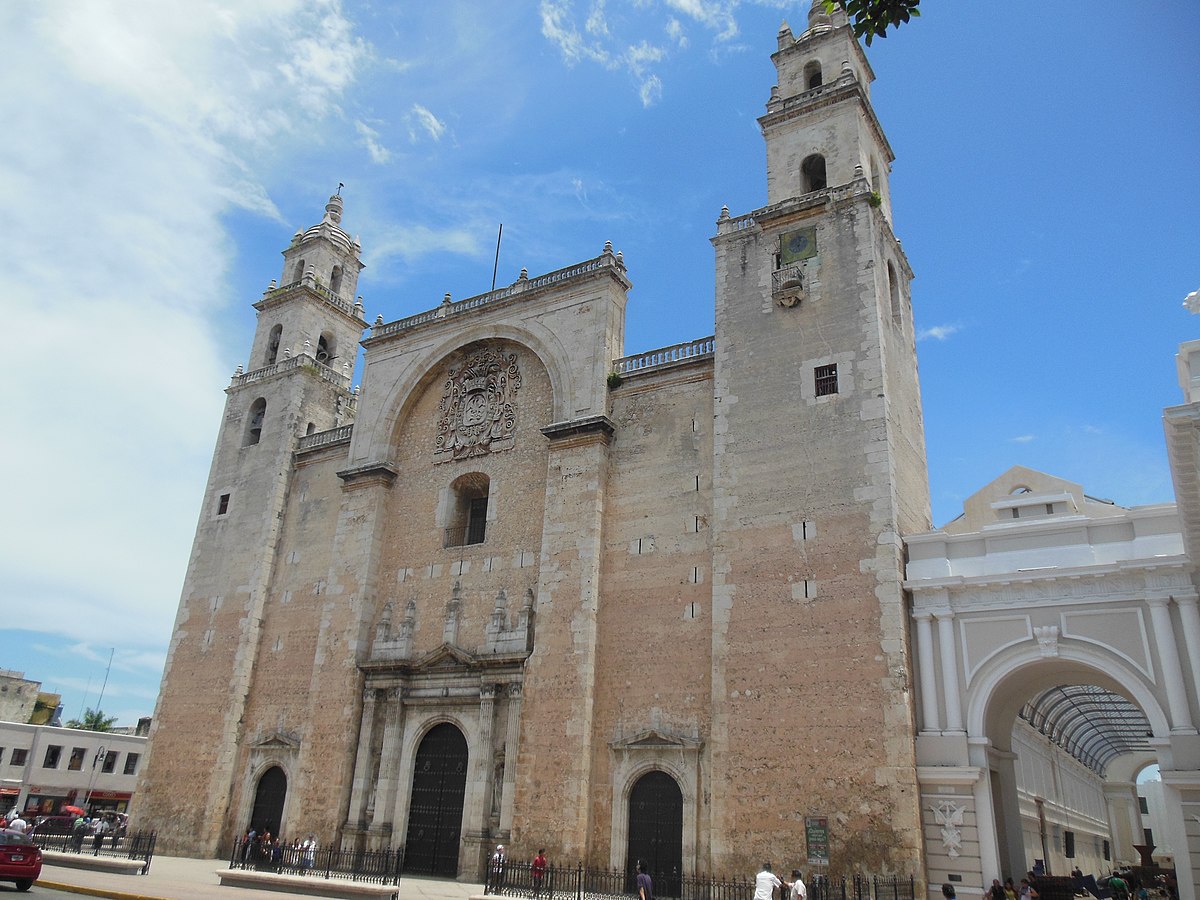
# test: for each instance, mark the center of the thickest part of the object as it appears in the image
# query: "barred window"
(825, 380)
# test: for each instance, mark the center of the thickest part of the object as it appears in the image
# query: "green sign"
(816, 834)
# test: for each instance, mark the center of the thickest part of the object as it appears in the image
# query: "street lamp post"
(99, 758)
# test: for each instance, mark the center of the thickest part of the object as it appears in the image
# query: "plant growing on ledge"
(614, 381)
(875, 199)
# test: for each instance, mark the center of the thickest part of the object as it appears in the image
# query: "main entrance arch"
(435, 810)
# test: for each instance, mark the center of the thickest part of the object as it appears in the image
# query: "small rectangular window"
(53, 752)
(1069, 844)
(18, 757)
(1107, 852)
(223, 505)
(1148, 834)
(131, 761)
(110, 761)
(825, 380)
(76, 761)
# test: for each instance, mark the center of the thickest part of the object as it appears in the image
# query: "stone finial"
(785, 37)
(378, 321)
(858, 170)
(287, 352)
(358, 306)
(724, 214)
(346, 369)
(621, 257)
(237, 371)
(817, 15)
(310, 274)
(846, 70)
(608, 248)
(524, 274)
(274, 284)
(1192, 302)
(307, 347)
(446, 299)
(355, 391)
(333, 209)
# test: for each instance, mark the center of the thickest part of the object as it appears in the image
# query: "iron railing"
(515, 879)
(371, 866)
(137, 846)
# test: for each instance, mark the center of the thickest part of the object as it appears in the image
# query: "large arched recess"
(378, 442)
(996, 696)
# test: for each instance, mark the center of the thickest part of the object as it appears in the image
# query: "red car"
(20, 859)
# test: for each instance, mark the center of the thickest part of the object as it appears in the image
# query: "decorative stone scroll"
(478, 411)
(950, 817)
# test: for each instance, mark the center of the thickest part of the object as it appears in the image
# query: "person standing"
(645, 886)
(766, 883)
(496, 870)
(799, 891)
(538, 868)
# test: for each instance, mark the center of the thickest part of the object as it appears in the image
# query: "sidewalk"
(177, 878)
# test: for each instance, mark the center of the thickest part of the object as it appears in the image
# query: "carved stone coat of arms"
(478, 410)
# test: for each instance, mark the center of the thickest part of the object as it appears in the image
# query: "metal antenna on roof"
(339, 190)
(496, 264)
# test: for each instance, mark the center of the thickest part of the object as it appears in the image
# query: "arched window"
(325, 349)
(468, 516)
(894, 293)
(812, 75)
(812, 174)
(254, 425)
(335, 280)
(273, 341)
(312, 428)
(299, 270)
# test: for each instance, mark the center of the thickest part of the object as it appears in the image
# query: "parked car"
(20, 859)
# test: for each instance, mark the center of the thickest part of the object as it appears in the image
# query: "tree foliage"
(872, 18)
(93, 720)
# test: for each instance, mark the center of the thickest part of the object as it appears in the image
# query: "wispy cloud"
(370, 139)
(421, 120)
(937, 332)
(1023, 439)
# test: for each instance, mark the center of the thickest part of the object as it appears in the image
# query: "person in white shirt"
(799, 891)
(766, 883)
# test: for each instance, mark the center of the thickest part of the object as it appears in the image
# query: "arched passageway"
(656, 831)
(268, 801)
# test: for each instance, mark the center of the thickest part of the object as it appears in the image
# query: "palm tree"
(93, 720)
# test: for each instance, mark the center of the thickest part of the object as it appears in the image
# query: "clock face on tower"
(797, 245)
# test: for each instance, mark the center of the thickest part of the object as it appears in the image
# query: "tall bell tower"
(819, 467)
(297, 383)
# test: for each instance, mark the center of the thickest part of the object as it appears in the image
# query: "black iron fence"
(371, 866)
(518, 879)
(138, 845)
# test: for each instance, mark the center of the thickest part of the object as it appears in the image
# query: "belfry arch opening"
(1064, 744)
(812, 75)
(812, 174)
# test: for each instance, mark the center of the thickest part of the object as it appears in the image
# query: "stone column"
(985, 827)
(389, 762)
(954, 717)
(928, 675)
(478, 820)
(511, 740)
(1168, 654)
(1189, 616)
(359, 791)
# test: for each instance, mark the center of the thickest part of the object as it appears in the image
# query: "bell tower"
(818, 469)
(297, 384)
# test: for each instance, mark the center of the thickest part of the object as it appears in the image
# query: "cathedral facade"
(525, 588)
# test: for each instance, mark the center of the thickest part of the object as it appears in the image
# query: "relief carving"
(478, 411)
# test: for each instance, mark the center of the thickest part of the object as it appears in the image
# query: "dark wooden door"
(436, 807)
(268, 801)
(656, 832)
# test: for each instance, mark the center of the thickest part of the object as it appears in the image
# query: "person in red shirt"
(539, 871)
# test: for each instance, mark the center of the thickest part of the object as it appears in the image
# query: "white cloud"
(1023, 439)
(716, 16)
(937, 332)
(135, 130)
(370, 139)
(675, 32)
(420, 119)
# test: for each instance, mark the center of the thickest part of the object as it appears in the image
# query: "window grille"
(825, 380)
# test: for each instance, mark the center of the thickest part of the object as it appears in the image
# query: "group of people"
(768, 885)
(267, 851)
(104, 825)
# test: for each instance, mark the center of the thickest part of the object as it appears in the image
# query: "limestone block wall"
(807, 593)
(656, 612)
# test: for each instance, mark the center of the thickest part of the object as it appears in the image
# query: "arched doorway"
(268, 801)
(656, 831)
(436, 808)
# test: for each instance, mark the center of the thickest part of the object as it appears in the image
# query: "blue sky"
(159, 156)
